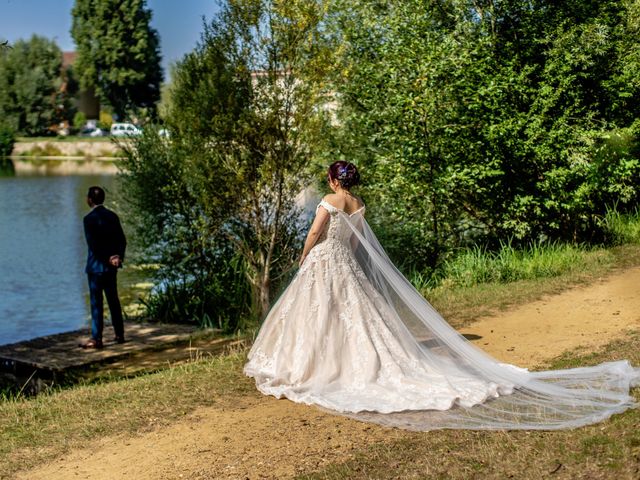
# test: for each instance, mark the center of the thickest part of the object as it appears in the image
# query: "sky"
(178, 22)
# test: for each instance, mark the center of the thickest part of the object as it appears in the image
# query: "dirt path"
(587, 317)
(267, 438)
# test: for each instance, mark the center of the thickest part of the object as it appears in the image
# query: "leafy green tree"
(118, 53)
(413, 83)
(478, 121)
(30, 81)
(244, 114)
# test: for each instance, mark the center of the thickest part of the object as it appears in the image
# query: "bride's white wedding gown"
(352, 335)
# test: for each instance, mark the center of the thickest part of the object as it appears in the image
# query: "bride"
(352, 335)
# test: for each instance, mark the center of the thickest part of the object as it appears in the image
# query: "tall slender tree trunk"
(265, 293)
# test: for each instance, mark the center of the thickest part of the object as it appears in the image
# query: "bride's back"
(347, 203)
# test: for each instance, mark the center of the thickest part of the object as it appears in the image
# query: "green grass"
(34, 430)
(622, 228)
(486, 280)
(508, 264)
(477, 266)
(461, 305)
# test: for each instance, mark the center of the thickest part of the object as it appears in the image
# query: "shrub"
(105, 121)
(7, 140)
(79, 120)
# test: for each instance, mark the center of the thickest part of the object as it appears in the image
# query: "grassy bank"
(462, 304)
(37, 429)
(477, 283)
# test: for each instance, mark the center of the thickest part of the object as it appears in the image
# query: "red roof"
(68, 58)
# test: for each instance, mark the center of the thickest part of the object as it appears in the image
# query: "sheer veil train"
(425, 375)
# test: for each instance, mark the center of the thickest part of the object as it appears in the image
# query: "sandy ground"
(266, 438)
(588, 317)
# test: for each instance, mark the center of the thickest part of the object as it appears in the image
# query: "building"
(86, 101)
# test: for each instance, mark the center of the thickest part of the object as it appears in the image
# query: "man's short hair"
(96, 195)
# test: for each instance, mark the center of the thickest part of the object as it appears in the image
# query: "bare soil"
(261, 437)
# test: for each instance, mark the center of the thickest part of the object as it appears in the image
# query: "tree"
(118, 53)
(413, 79)
(480, 120)
(30, 81)
(244, 112)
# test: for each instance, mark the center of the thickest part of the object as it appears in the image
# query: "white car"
(92, 132)
(125, 130)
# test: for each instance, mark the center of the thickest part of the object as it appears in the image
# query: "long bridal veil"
(548, 400)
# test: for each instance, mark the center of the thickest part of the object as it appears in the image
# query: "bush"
(621, 228)
(79, 120)
(7, 140)
(105, 121)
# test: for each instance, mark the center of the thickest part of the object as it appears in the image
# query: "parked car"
(93, 132)
(125, 130)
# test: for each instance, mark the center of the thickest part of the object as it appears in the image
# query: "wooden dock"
(55, 358)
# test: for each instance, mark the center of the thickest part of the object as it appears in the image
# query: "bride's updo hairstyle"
(345, 173)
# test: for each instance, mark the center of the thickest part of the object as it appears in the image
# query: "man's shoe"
(95, 344)
(119, 339)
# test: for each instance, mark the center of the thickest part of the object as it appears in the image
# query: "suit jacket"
(105, 238)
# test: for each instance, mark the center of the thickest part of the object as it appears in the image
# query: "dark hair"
(345, 173)
(96, 194)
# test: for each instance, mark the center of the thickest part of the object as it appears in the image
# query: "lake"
(43, 287)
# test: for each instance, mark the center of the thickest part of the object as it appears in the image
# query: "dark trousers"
(107, 283)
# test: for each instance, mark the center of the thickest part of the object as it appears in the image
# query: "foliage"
(472, 122)
(118, 53)
(476, 265)
(31, 100)
(243, 118)
(7, 139)
(79, 120)
(105, 120)
(621, 228)
(476, 121)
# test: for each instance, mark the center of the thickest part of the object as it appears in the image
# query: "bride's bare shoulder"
(339, 202)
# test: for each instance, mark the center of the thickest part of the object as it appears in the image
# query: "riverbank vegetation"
(7, 140)
(216, 201)
(496, 142)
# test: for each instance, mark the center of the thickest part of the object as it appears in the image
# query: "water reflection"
(43, 288)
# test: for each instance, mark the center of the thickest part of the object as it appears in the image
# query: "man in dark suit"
(107, 243)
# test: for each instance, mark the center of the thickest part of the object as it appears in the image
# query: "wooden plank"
(60, 352)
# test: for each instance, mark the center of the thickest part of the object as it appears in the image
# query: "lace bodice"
(336, 228)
